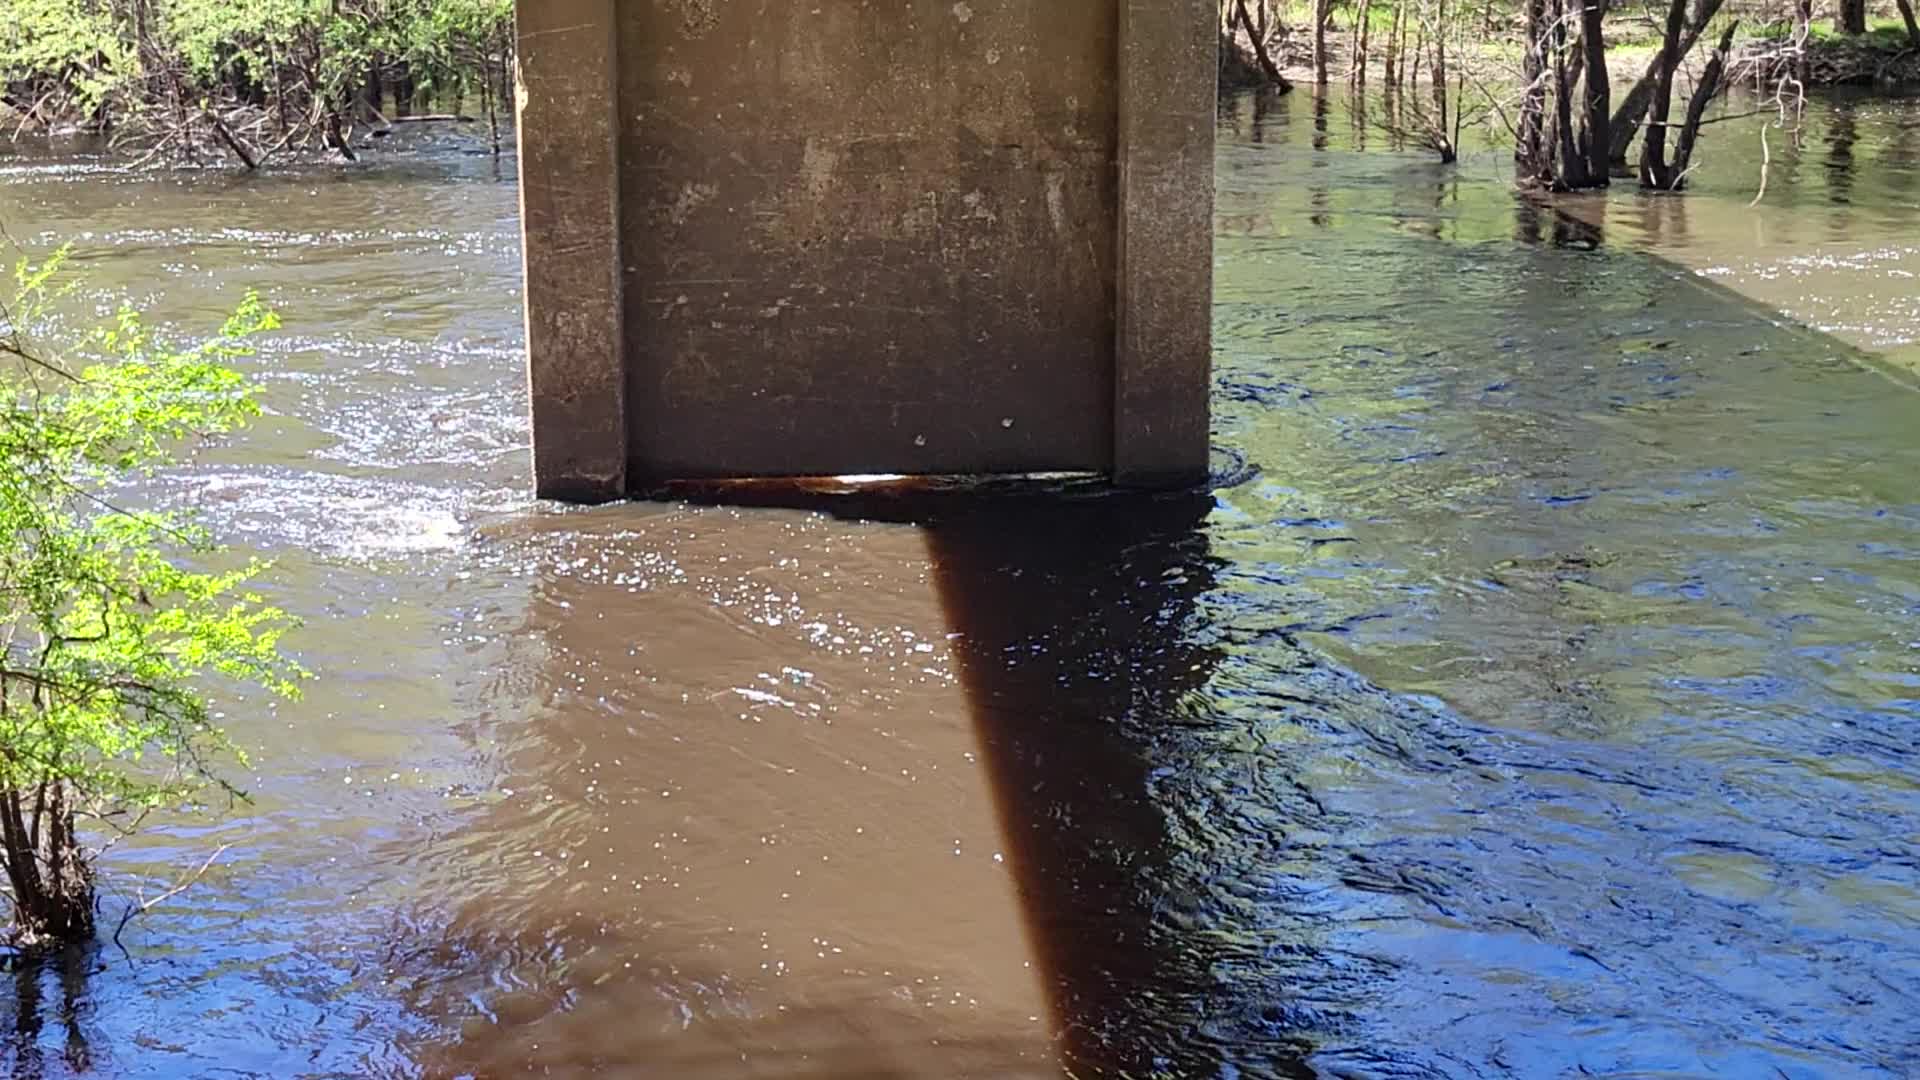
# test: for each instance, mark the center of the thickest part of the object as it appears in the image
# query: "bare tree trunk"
(1913, 27)
(1353, 40)
(1366, 39)
(1392, 59)
(1654, 170)
(1570, 171)
(1322, 12)
(1449, 147)
(1418, 54)
(1530, 153)
(1260, 54)
(1850, 16)
(1803, 33)
(1595, 125)
(507, 60)
(280, 93)
(52, 885)
(374, 92)
(403, 91)
(182, 121)
(1633, 108)
(1703, 95)
(486, 97)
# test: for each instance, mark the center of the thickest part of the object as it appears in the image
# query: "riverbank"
(1885, 58)
(191, 81)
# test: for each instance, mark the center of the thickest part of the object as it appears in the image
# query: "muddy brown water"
(1536, 695)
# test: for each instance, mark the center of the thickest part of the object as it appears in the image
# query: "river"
(1535, 696)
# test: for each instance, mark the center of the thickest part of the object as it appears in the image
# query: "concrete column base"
(918, 237)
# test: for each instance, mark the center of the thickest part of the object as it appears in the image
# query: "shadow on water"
(1077, 652)
(1071, 633)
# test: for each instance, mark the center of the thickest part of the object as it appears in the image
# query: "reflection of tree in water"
(1843, 131)
(1899, 157)
(1262, 112)
(49, 988)
(1538, 222)
(1254, 115)
(1663, 219)
(1393, 103)
(1320, 195)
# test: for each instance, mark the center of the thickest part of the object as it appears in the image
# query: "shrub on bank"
(109, 637)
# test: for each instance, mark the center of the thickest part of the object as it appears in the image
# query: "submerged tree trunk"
(1570, 169)
(1703, 95)
(240, 150)
(1595, 124)
(1531, 157)
(336, 137)
(1257, 36)
(51, 883)
(1655, 172)
(1448, 146)
(1633, 108)
(1322, 12)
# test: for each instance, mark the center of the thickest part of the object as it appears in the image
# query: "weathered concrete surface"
(570, 212)
(1169, 82)
(918, 236)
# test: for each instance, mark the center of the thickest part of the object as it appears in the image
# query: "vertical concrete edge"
(567, 95)
(1163, 364)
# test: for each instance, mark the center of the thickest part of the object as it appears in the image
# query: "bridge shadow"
(1075, 643)
(1073, 610)
(1070, 616)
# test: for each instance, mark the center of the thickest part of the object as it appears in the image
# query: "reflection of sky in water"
(1540, 701)
(1650, 548)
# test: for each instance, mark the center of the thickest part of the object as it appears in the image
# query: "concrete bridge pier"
(924, 237)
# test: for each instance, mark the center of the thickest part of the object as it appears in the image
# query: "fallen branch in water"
(30, 114)
(155, 152)
(142, 905)
(1264, 58)
(233, 142)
